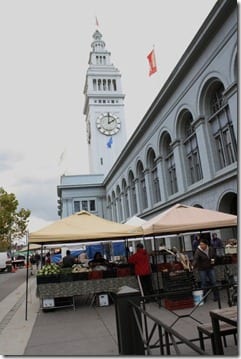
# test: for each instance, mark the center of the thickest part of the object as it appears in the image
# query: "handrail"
(167, 336)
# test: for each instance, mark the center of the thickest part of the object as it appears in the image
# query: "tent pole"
(41, 255)
(155, 261)
(26, 300)
(126, 250)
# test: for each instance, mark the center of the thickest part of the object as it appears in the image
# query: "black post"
(26, 302)
(129, 338)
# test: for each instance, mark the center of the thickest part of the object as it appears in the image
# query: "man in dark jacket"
(203, 261)
(68, 260)
(142, 268)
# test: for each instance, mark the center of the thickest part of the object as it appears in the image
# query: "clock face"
(108, 124)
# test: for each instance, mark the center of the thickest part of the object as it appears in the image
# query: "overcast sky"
(45, 46)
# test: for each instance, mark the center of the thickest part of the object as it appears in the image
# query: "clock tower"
(104, 109)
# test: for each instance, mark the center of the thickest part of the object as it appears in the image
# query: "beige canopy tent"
(182, 218)
(135, 221)
(32, 247)
(83, 226)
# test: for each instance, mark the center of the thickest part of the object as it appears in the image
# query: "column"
(204, 149)
(161, 177)
(137, 196)
(149, 188)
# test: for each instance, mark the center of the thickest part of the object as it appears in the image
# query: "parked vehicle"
(5, 262)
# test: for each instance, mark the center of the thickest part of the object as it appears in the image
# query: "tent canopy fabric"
(83, 226)
(32, 247)
(135, 221)
(182, 218)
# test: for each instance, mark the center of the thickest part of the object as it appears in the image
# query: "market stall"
(183, 219)
(83, 227)
(91, 288)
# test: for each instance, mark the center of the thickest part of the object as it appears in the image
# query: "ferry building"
(184, 149)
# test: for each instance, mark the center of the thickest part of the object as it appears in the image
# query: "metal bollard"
(129, 338)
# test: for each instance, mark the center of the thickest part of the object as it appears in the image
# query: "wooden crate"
(178, 304)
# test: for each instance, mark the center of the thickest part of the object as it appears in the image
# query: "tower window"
(104, 85)
(94, 84)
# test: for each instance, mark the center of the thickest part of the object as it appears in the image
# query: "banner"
(152, 62)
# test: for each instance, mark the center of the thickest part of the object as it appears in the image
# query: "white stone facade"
(185, 147)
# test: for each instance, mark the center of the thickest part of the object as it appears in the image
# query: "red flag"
(96, 22)
(152, 62)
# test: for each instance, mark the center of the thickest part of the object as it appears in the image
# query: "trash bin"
(129, 338)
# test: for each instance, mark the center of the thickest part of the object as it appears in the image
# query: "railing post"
(129, 339)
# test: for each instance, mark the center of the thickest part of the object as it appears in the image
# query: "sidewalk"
(15, 331)
(86, 331)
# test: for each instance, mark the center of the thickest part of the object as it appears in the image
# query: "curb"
(15, 331)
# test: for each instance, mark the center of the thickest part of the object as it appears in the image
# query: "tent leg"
(26, 300)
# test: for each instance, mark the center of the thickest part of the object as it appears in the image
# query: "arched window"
(221, 125)
(119, 206)
(125, 198)
(114, 84)
(142, 186)
(170, 165)
(193, 163)
(132, 186)
(99, 85)
(94, 84)
(109, 85)
(156, 194)
(104, 85)
(109, 208)
(114, 206)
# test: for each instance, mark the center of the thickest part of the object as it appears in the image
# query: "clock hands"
(110, 118)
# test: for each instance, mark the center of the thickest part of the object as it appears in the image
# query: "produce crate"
(80, 276)
(95, 274)
(123, 272)
(65, 277)
(110, 273)
(178, 295)
(177, 281)
(178, 304)
(50, 278)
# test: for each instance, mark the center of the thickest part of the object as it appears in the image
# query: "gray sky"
(45, 46)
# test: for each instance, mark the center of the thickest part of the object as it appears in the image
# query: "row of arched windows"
(104, 85)
(158, 177)
(100, 60)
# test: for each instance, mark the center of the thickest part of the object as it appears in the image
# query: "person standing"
(195, 243)
(203, 261)
(140, 259)
(68, 260)
(37, 259)
(216, 242)
(47, 259)
(98, 261)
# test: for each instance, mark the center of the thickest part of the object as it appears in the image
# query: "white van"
(5, 262)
